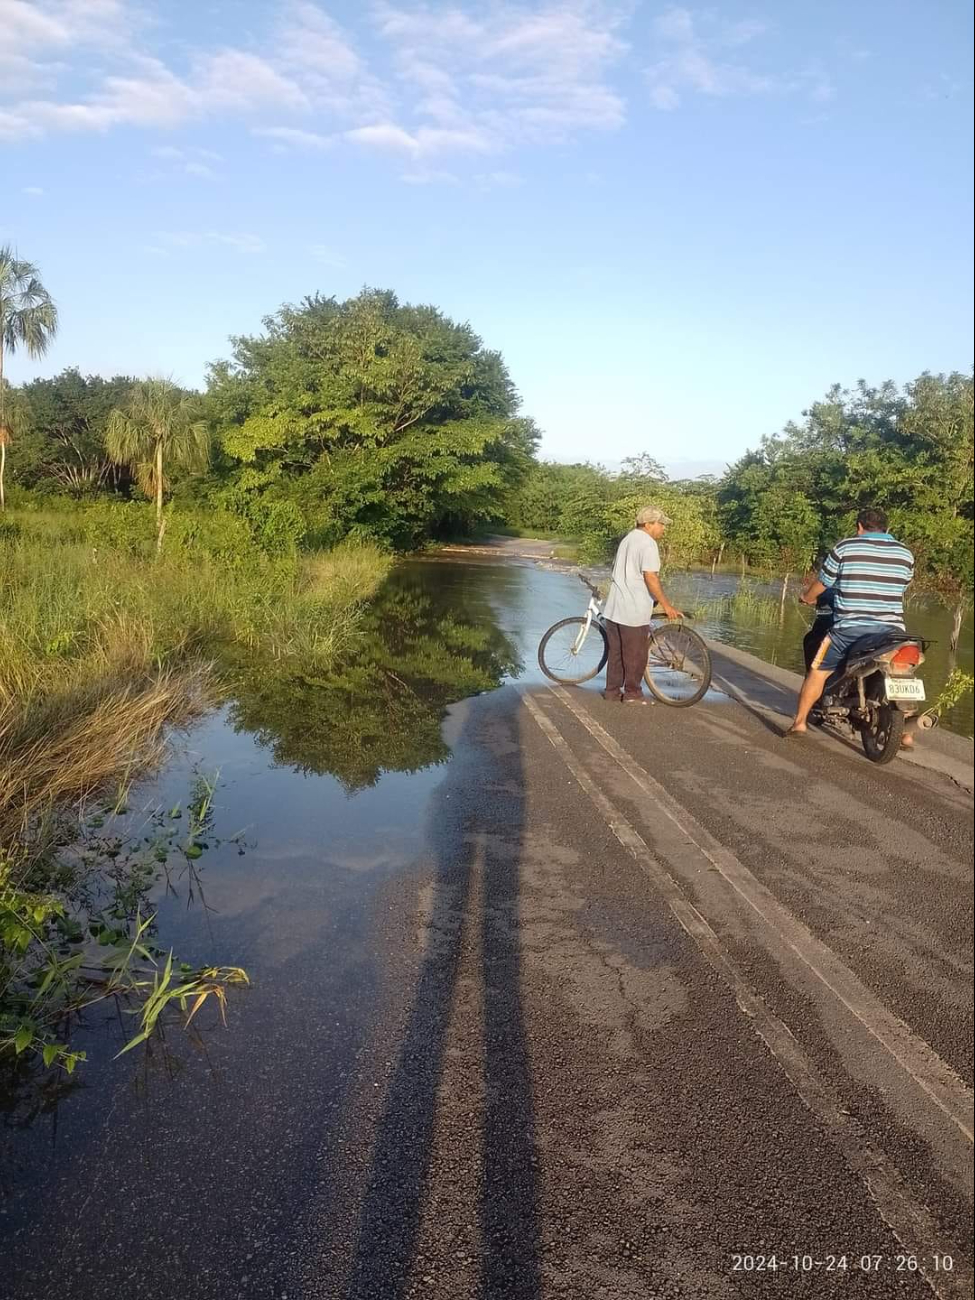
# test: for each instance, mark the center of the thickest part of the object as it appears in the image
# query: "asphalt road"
(674, 1009)
(663, 1006)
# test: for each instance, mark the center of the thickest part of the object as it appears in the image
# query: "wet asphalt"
(538, 1083)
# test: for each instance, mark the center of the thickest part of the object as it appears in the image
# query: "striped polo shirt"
(869, 575)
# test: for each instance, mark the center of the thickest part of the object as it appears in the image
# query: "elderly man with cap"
(634, 588)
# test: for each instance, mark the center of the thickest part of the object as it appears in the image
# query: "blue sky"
(679, 224)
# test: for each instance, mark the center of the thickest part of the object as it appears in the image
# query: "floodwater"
(323, 789)
(322, 793)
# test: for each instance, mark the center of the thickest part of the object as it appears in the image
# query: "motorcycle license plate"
(908, 688)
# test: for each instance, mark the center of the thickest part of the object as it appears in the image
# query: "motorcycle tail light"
(907, 655)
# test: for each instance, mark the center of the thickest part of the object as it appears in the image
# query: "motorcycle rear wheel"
(882, 733)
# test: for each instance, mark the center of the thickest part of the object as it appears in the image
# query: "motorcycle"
(876, 692)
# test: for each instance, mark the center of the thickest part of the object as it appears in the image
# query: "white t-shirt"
(628, 601)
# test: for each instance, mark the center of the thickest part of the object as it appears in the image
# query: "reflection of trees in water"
(381, 708)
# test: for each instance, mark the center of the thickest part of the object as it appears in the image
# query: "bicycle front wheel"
(570, 654)
(678, 666)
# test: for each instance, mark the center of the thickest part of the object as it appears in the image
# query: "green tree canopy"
(61, 442)
(377, 418)
(907, 451)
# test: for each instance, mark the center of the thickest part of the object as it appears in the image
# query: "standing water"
(184, 1168)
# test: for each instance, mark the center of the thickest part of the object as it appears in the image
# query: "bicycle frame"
(594, 610)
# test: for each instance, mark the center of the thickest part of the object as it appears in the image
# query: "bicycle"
(575, 650)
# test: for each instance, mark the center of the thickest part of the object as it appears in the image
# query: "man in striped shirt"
(868, 575)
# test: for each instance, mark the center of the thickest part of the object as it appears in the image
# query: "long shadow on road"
(476, 834)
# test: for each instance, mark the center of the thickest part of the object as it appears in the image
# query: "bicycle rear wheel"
(678, 666)
(569, 654)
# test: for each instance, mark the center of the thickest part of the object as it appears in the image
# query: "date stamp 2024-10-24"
(840, 1263)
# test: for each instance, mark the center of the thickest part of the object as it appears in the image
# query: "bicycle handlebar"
(599, 596)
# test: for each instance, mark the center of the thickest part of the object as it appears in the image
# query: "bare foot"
(794, 731)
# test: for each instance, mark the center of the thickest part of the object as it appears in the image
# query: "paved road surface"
(670, 1001)
(662, 1002)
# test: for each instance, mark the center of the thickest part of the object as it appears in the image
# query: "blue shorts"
(835, 645)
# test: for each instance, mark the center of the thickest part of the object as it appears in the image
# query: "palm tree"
(29, 319)
(158, 427)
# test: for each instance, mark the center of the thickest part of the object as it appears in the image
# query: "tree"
(159, 427)
(377, 418)
(28, 319)
(907, 451)
(939, 427)
(786, 528)
(642, 470)
(61, 445)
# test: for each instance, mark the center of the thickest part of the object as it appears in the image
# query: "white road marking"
(911, 1222)
(948, 1092)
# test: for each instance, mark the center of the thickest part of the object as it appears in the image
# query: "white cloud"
(286, 138)
(38, 39)
(439, 80)
(425, 141)
(696, 62)
(697, 55)
(170, 153)
(34, 191)
(496, 77)
(39, 44)
(321, 56)
(239, 81)
(192, 161)
(384, 136)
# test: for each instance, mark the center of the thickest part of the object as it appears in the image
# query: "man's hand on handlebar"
(671, 612)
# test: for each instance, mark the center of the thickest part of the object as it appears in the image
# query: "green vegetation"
(586, 504)
(377, 420)
(104, 647)
(907, 451)
(159, 426)
(345, 432)
(29, 320)
(958, 685)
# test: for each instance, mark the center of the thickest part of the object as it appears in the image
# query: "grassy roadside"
(104, 649)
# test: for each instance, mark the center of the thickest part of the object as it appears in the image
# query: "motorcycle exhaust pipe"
(923, 721)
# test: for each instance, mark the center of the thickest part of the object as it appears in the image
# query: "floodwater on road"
(322, 795)
(323, 791)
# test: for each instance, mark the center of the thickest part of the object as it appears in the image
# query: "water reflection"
(381, 708)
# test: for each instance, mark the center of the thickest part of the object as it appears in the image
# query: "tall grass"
(747, 604)
(103, 649)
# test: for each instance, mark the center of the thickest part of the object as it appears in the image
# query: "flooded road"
(322, 802)
(482, 1055)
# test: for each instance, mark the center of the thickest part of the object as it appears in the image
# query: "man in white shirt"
(634, 587)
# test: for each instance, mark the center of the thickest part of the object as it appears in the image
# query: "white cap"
(651, 515)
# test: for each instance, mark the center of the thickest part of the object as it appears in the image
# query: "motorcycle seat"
(867, 647)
